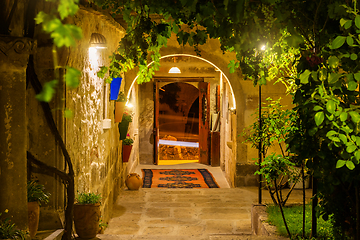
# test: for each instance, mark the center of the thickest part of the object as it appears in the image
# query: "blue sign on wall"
(114, 88)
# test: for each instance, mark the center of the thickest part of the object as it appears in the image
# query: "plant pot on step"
(126, 151)
(133, 181)
(86, 220)
(33, 216)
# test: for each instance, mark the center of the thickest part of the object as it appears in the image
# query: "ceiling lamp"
(174, 70)
(97, 41)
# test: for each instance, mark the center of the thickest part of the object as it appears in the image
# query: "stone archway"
(229, 145)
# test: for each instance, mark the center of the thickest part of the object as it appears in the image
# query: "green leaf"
(67, 8)
(331, 106)
(352, 86)
(343, 138)
(304, 77)
(357, 76)
(47, 92)
(338, 42)
(41, 17)
(334, 77)
(353, 56)
(340, 163)
(348, 24)
(68, 113)
(333, 62)
(357, 21)
(358, 141)
(357, 155)
(351, 148)
(350, 41)
(72, 76)
(343, 116)
(331, 133)
(319, 118)
(318, 108)
(350, 165)
(343, 21)
(355, 117)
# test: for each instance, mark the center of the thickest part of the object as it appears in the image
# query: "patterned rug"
(178, 178)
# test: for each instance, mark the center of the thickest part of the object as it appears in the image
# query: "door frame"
(156, 109)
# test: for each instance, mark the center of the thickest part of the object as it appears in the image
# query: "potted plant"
(124, 125)
(87, 214)
(36, 195)
(8, 230)
(119, 107)
(127, 145)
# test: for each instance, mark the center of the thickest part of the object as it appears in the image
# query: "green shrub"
(88, 198)
(8, 229)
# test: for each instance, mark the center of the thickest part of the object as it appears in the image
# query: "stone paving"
(181, 214)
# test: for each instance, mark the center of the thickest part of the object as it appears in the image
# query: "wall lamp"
(174, 70)
(97, 41)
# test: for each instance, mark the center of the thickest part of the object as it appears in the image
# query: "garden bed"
(294, 216)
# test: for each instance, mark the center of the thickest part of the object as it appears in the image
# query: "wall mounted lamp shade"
(97, 41)
(174, 70)
(114, 88)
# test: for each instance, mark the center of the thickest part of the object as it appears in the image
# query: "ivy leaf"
(350, 165)
(304, 77)
(319, 118)
(352, 86)
(231, 66)
(343, 21)
(357, 21)
(331, 106)
(338, 42)
(47, 92)
(72, 77)
(343, 116)
(340, 163)
(67, 8)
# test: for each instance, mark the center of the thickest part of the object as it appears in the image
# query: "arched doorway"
(178, 122)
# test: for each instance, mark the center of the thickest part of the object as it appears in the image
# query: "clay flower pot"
(133, 181)
(33, 215)
(126, 151)
(86, 220)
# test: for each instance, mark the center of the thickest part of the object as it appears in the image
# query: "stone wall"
(96, 151)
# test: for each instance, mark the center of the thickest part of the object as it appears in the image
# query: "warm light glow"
(194, 56)
(129, 104)
(93, 57)
(263, 47)
(174, 70)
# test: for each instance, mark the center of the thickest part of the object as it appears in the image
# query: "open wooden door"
(204, 117)
(156, 123)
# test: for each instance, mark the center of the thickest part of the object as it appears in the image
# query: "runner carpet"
(178, 178)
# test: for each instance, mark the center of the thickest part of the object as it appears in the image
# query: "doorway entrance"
(181, 121)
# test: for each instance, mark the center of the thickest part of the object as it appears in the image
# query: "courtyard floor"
(179, 214)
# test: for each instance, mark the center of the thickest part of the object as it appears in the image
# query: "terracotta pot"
(33, 215)
(119, 110)
(123, 129)
(86, 219)
(133, 181)
(126, 151)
